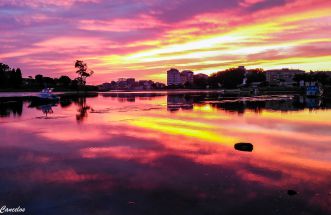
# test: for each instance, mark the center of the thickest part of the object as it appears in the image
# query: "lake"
(166, 153)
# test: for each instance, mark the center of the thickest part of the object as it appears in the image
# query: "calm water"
(158, 153)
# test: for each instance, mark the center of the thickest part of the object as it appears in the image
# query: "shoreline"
(225, 93)
(156, 90)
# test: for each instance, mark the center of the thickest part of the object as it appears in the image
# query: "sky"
(144, 38)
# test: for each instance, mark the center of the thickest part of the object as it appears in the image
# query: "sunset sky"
(144, 38)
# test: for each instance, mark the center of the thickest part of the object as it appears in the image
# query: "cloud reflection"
(145, 154)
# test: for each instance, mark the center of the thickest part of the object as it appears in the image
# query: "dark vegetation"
(233, 79)
(10, 77)
(318, 76)
(230, 79)
(11, 80)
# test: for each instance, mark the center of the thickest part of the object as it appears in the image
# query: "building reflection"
(132, 97)
(177, 102)
(277, 104)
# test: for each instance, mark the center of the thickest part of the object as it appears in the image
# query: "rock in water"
(292, 192)
(246, 147)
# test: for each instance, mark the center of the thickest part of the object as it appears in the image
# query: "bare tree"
(83, 72)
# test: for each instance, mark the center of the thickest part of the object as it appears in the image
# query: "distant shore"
(59, 89)
(226, 92)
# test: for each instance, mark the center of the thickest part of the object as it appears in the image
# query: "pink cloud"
(247, 3)
(122, 25)
(41, 3)
(36, 33)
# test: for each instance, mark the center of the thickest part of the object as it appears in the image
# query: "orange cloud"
(143, 41)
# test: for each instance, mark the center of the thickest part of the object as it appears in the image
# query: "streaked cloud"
(144, 38)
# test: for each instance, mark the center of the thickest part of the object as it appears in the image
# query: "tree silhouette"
(10, 77)
(256, 75)
(39, 80)
(64, 81)
(229, 78)
(83, 72)
(18, 78)
(200, 82)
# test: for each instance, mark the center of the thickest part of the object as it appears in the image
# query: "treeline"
(40, 81)
(11, 79)
(232, 78)
(62, 83)
(318, 76)
(229, 78)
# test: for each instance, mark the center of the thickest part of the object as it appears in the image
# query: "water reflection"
(167, 154)
(175, 102)
(11, 108)
(296, 103)
(14, 106)
(83, 108)
(44, 106)
(131, 97)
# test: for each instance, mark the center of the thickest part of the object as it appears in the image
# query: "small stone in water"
(247, 147)
(291, 192)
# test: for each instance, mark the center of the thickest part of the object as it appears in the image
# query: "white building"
(173, 77)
